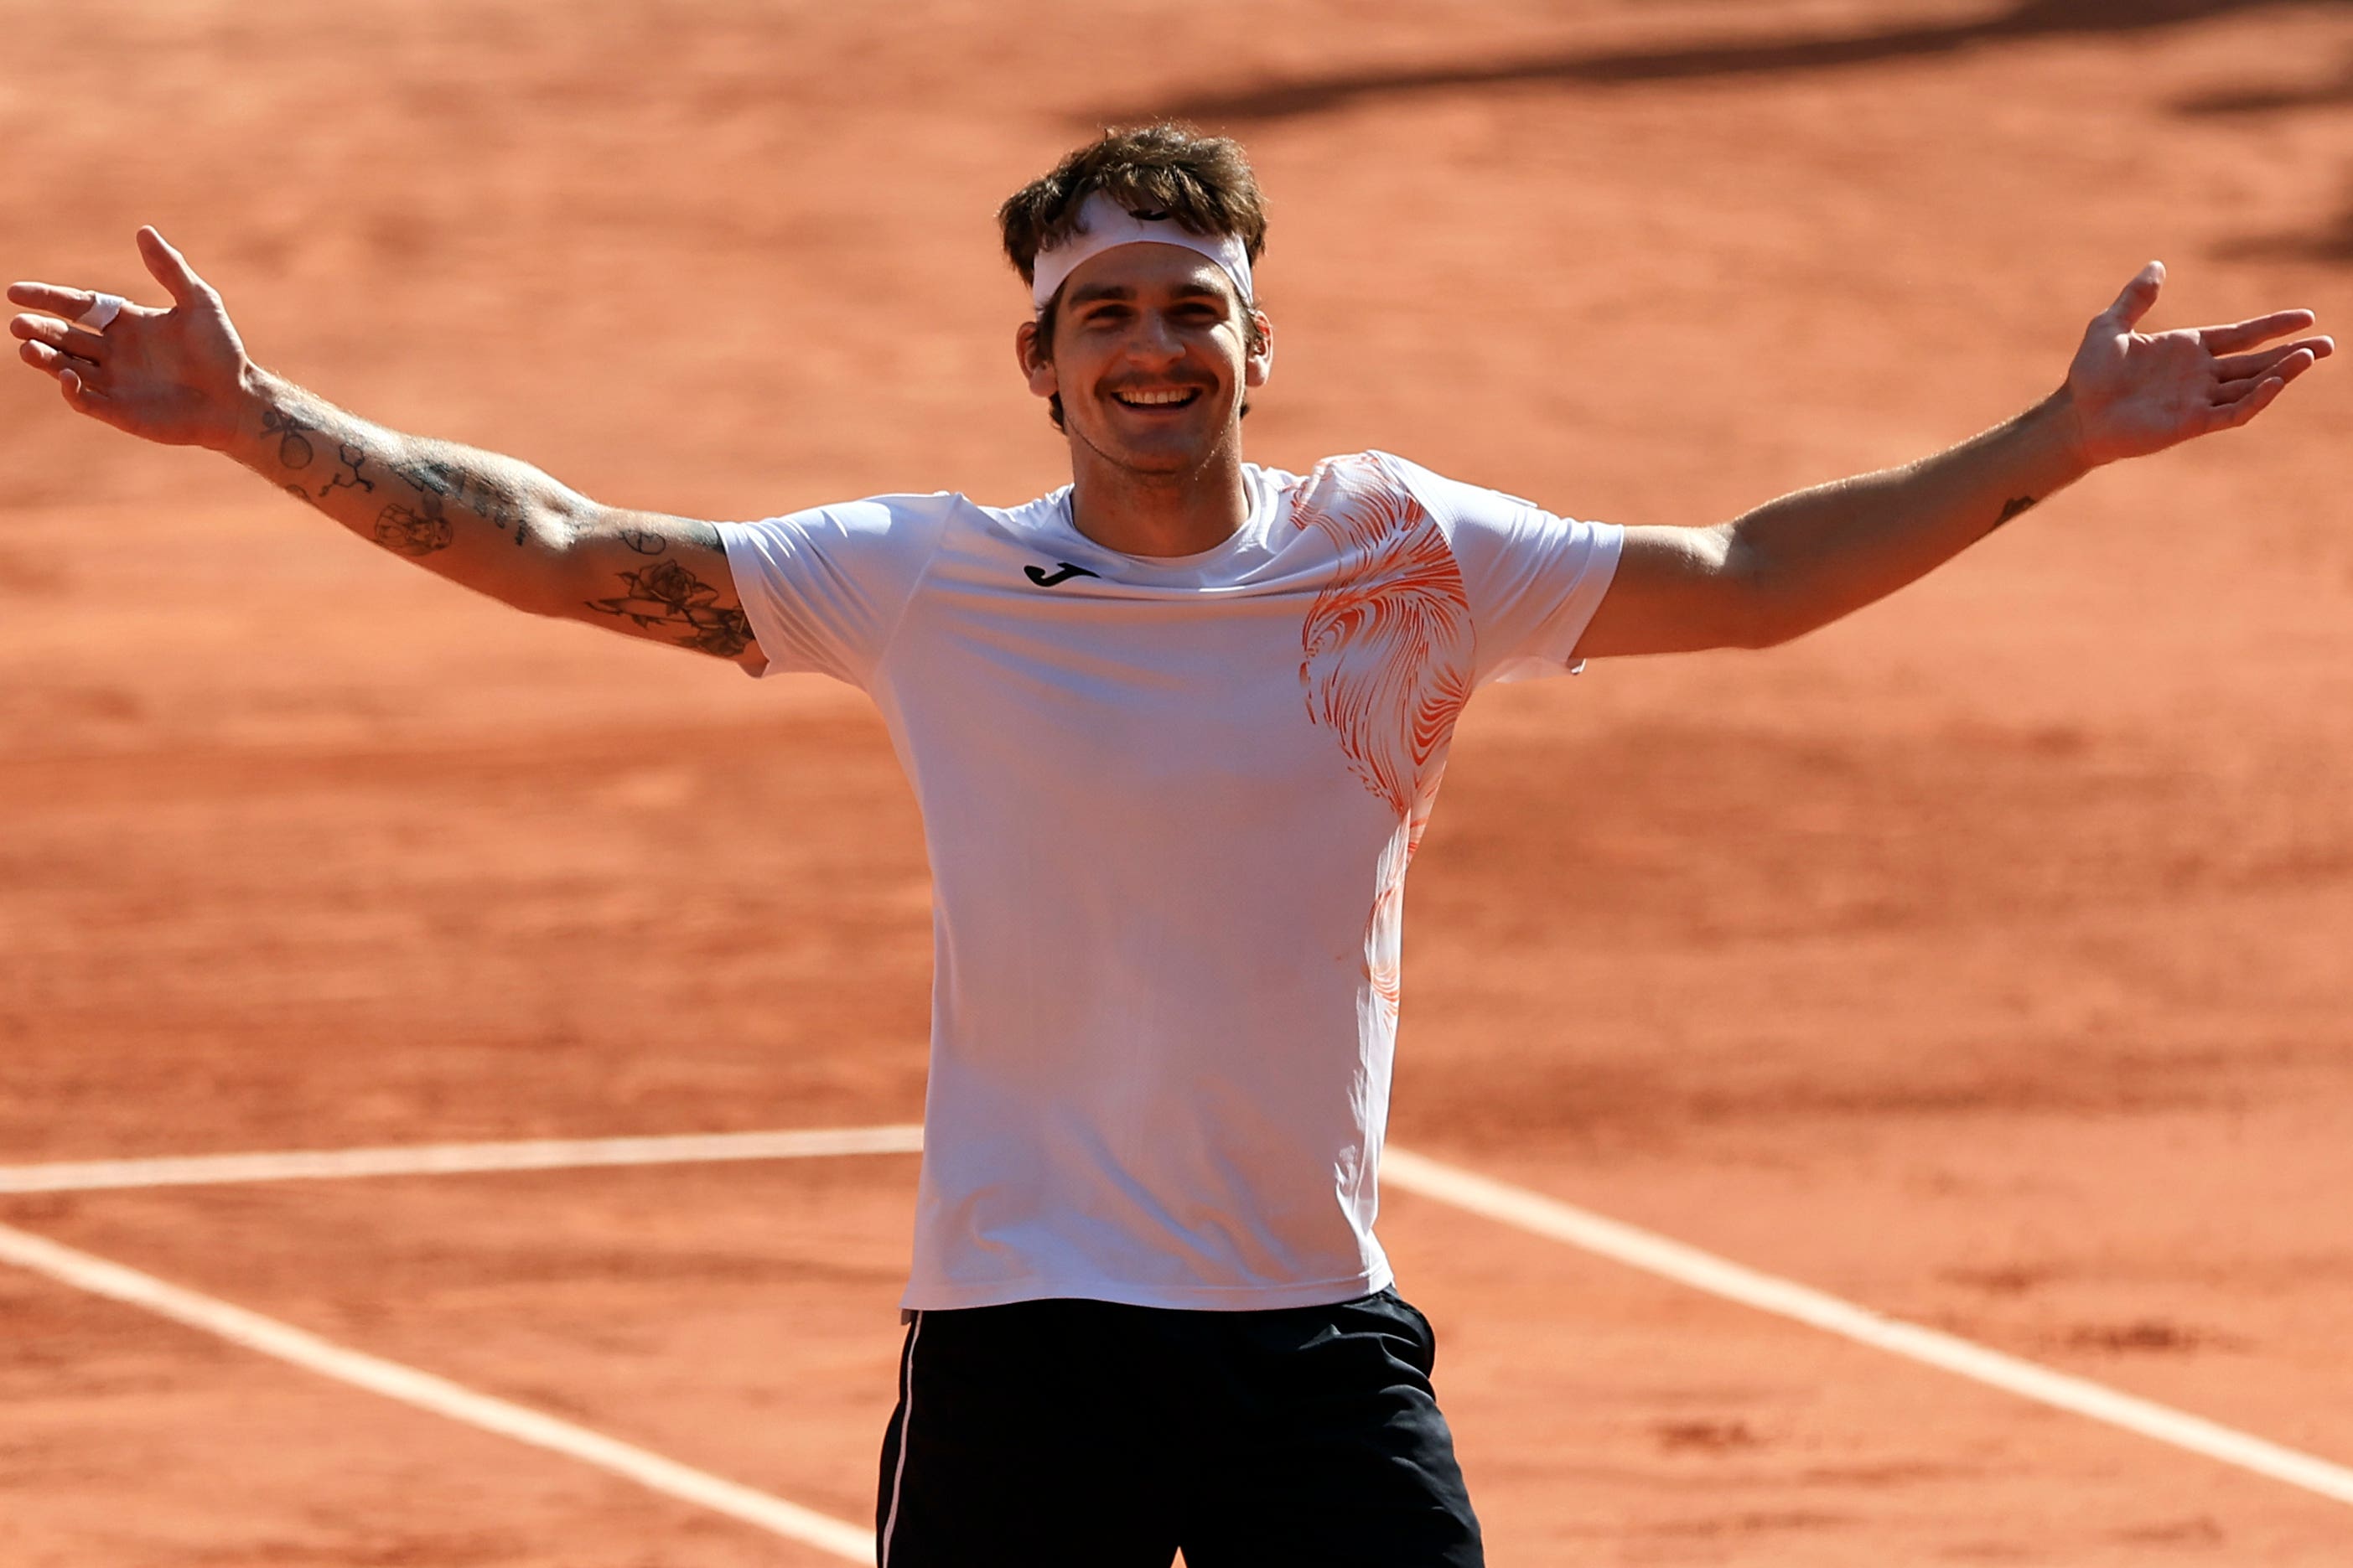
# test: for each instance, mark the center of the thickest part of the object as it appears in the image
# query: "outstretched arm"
(181, 376)
(1808, 558)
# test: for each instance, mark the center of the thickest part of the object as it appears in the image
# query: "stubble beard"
(1174, 472)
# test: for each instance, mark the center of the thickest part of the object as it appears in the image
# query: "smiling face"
(1151, 356)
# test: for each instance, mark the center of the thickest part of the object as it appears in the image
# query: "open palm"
(170, 375)
(2136, 392)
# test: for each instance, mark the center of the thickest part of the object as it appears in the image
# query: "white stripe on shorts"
(906, 1419)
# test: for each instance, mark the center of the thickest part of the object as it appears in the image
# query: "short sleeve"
(824, 589)
(1534, 580)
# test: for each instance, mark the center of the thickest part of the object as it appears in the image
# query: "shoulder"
(873, 525)
(1375, 483)
(1452, 499)
(875, 514)
(1352, 485)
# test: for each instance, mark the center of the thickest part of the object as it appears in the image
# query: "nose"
(1156, 339)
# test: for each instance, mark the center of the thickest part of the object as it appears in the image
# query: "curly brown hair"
(1203, 181)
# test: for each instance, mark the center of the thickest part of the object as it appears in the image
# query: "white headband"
(1104, 224)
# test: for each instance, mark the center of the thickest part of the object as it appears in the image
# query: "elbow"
(1764, 614)
(557, 520)
(553, 531)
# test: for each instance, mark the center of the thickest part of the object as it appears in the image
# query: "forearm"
(499, 526)
(1821, 553)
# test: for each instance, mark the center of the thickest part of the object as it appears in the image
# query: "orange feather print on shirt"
(1387, 652)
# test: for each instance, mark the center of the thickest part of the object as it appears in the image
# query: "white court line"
(1655, 1254)
(1513, 1205)
(449, 1158)
(438, 1395)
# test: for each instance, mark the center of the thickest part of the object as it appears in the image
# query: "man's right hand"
(172, 375)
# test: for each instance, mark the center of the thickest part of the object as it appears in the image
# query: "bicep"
(1676, 590)
(661, 578)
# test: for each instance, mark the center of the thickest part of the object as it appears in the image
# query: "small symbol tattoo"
(354, 458)
(1045, 579)
(293, 445)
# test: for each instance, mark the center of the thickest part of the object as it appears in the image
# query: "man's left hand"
(2136, 392)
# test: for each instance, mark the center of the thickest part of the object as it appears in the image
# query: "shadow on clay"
(2024, 21)
(2333, 244)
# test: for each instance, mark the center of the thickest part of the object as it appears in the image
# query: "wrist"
(253, 389)
(2064, 419)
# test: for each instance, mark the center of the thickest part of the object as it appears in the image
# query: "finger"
(2287, 370)
(2230, 416)
(2246, 334)
(2139, 295)
(55, 298)
(2238, 367)
(58, 335)
(171, 269)
(79, 394)
(40, 356)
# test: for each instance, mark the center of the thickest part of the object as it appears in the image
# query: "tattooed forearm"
(354, 458)
(414, 533)
(666, 594)
(2011, 508)
(446, 507)
(425, 501)
(489, 498)
(293, 445)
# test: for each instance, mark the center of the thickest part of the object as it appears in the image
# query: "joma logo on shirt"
(1045, 579)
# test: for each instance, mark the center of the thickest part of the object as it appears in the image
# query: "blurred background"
(1982, 958)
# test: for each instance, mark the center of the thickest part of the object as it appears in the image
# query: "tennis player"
(1175, 730)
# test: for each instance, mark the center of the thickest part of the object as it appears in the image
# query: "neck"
(1179, 512)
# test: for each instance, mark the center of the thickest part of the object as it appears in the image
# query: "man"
(1175, 731)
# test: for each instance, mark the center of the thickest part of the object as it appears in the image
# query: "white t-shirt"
(1169, 804)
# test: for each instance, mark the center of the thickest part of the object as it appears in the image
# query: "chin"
(1167, 459)
(1173, 451)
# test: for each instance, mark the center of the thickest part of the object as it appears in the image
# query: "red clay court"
(1980, 961)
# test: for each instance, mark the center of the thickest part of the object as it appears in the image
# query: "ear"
(1261, 363)
(1036, 366)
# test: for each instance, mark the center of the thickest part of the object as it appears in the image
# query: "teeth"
(1150, 398)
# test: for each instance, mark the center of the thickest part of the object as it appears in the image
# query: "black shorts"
(1068, 1433)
